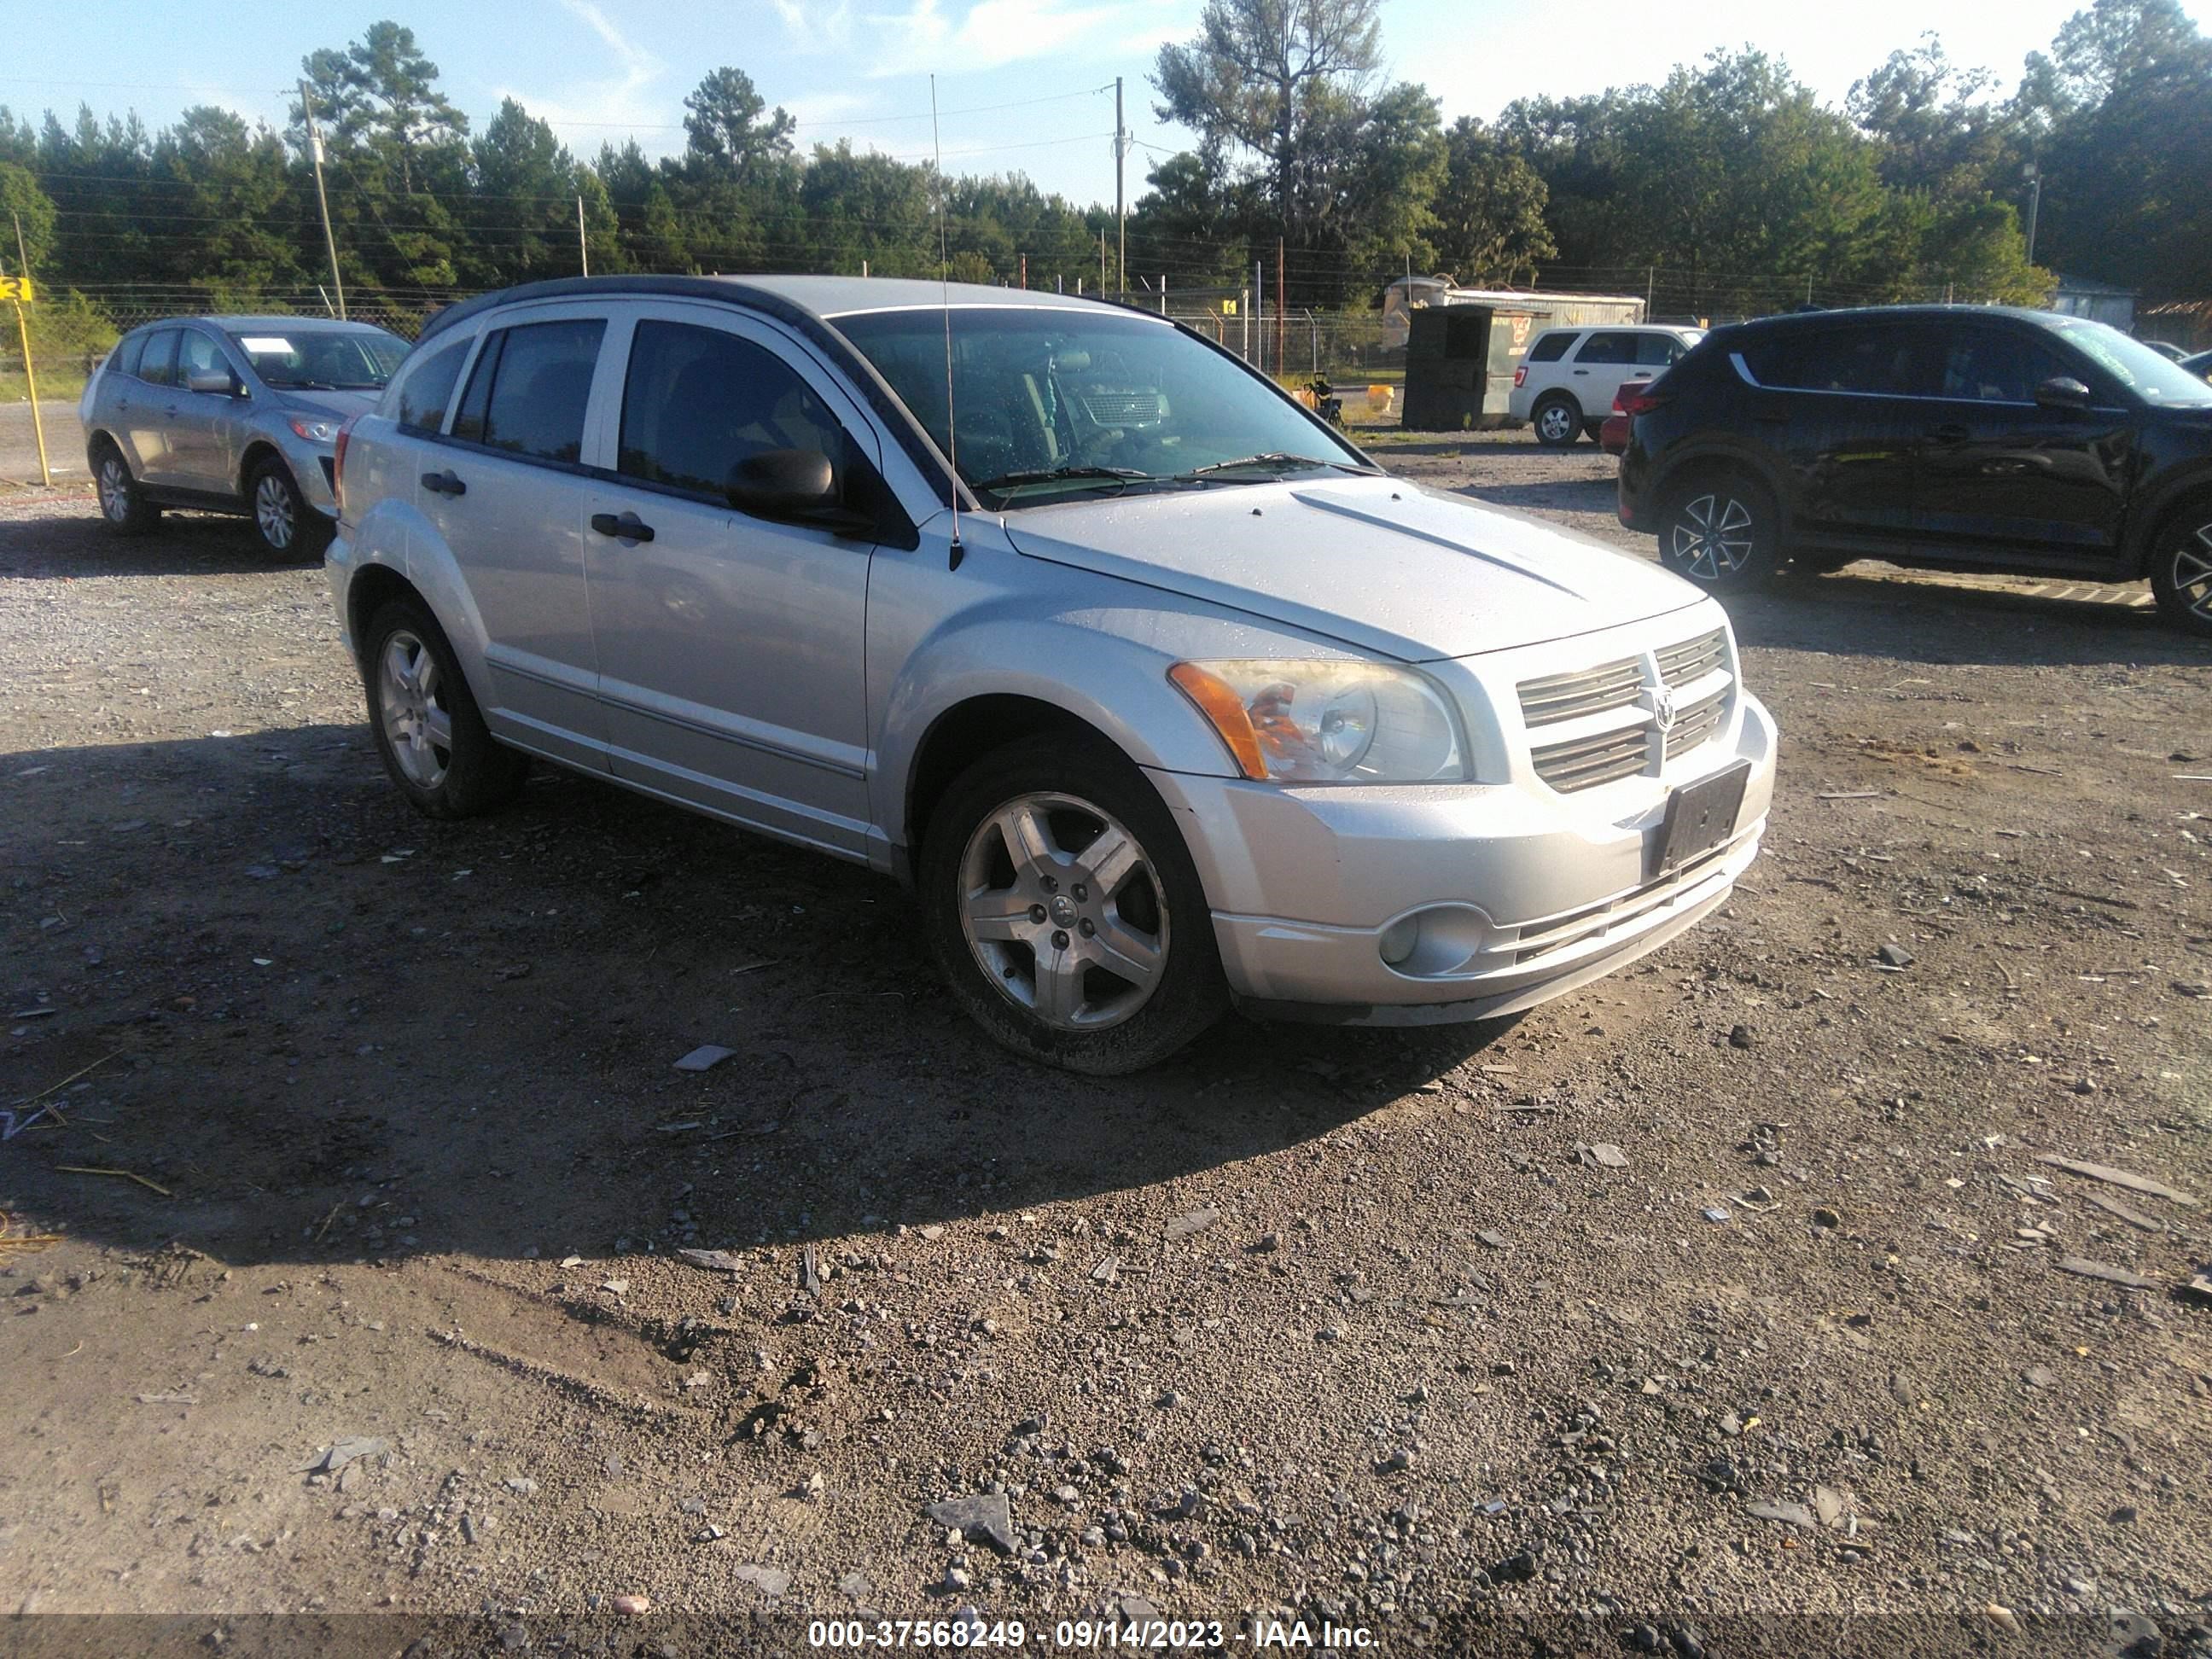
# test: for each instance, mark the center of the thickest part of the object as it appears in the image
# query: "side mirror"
(214, 380)
(2063, 392)
(784, 483)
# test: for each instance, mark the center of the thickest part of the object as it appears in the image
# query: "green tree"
(1490, 212)
(724, 132)
(33, 209)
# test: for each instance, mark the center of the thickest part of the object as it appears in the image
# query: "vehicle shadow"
(1869, 610)
(1575, 494)
(72, 547)
(1385, 445)
(326, 1028)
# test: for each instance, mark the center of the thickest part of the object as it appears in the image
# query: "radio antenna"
(945, 293)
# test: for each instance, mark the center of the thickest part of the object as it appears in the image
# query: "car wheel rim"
(1064, 912)
(114, 491)
(2192, 573)
(1555, 424)
(272, 511)
(1713, 536)
(410, 697)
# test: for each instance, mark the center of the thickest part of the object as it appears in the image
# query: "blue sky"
(1015, 77)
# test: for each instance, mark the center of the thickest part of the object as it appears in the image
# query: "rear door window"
(427, 388)
(1608, 345)
(1657, 350)
(158, 366)
(1874, 360)
(698, 401)
(530, 387)
(1552, 347)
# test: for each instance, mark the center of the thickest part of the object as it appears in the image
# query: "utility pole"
(30, 374)
(1025, 272)
(2034, 203)
(1244, 320)
(1121, 215)
(1102, 263)
(1260, 302)
(583, 248)
(322, 197)
(1282, 316)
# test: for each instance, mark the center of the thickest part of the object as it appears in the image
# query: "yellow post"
(31, 384)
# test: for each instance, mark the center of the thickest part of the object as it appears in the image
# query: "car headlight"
(1326, 721)
(315, 432)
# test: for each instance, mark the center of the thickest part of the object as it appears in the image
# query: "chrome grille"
(1692, 660)
(1587, 760)
(1586, 763)
(1124, 408)
(1696, 724)
(1587, 691)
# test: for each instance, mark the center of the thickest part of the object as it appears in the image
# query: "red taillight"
(338, 463)
(1641, 399)
(1521, 377)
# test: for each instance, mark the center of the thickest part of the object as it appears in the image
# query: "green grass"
(64, 386)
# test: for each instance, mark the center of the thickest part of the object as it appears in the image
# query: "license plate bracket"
(1699, 817)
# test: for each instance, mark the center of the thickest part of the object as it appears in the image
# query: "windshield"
(2153, 379)
(1054, 402)
(323, 359)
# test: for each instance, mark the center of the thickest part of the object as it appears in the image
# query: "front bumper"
(1530, 893)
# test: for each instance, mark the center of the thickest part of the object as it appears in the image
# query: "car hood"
(1379, 563)
(340, 404)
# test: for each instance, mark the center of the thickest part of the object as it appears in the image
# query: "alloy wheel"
(1713, 536)
(1555, 424)
(1064, 912)
(2192, 573)
(114, 491)
(410, 697)
(273, 511)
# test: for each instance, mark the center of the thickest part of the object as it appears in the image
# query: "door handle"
(1949, 434)
(627, 528)
(1581, 371)
(444, 483)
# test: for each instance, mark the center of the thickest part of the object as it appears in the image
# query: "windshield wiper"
(1273, 460)
(301, 386)
(1007, 481)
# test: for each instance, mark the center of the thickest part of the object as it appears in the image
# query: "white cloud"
(950, 38)
(632, 101)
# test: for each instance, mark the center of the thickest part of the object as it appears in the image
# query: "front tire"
(1559, 421)
(1722, 531)
(283, 523)
(123, 504)
(429, 731)
(1065, 911)
(2181, 573)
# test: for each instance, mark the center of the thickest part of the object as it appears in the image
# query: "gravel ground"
(1740, 1282)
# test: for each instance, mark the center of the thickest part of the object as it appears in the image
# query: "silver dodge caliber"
(1159, 694)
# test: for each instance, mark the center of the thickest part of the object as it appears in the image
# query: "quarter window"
(427, 386)
(127, 354)
(530, 387)
(697, 402)
(1552, 347)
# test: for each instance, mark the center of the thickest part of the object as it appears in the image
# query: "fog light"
(1398, 940)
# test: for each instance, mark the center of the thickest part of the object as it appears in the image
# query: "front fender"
(1094, 647)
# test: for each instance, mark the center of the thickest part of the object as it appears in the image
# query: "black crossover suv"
(1939, 435)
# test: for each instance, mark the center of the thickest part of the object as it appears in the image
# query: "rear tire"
(283, 523)
(429, 731)
(123, 504)
(1723, 532)
(2181, 572)
(1558, 419)
(1103, 970)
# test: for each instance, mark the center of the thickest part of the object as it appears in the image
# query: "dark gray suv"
(232, 415)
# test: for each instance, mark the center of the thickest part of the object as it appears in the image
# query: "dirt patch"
(409, 1090)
